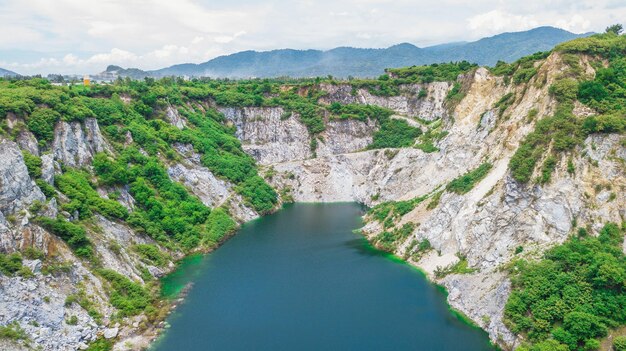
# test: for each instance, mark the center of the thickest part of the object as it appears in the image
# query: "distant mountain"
(347, 61)
(7, 73)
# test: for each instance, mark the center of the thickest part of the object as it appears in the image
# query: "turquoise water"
(302, 280)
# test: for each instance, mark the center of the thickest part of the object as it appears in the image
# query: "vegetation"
(394, 133)
(388, 240)
(73, 234)
(13, 331)
(574, 295)
(128, 297)
(431, 73)
(466, 182)
(619, 343)
(10, 263)
(460, 267)
(387, 212)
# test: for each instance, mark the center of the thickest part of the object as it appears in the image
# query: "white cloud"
(83, 36)
(497, 21)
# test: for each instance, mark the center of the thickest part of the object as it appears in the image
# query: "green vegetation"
(13, 331)
(466, 182)
(387, 212)
(436, 72)
(522, 70)
(128, 297)
(619, 343)
(394, 133)
(100, 345)
(73, 234)
(504, 103)
(388, 240)
(85, 199)
(574, 295)
(460, 267)
(10, 263)
(151, 254)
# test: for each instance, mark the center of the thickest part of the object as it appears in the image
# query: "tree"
(616, 28)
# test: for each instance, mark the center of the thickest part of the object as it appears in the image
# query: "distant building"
(86, 81)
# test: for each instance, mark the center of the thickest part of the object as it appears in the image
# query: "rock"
(47, 168)
(267, 135)
(83, 346)
(174, 117)
(17, 189)
(110, 333)
(27, 141)
(75, 144)
(33, 265)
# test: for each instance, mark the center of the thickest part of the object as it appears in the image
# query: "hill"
(6, 73)
(359, 62)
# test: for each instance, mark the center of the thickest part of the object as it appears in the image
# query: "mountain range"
(6, 73)
(360, 62)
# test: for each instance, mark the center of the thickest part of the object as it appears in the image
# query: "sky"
(85, 36)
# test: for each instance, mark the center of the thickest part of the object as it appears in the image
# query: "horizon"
(79, 38)
(459, 42)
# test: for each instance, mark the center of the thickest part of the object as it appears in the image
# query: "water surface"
(302, 280)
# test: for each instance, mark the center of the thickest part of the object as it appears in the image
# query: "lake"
(301, 279)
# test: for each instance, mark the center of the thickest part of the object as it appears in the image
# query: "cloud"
(83, 36)
(497, 21)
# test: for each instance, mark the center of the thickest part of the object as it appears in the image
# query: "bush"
(466, 182)
(10, 263)
(219, 225)
(394, 133)
(564, 90)
(619, 343)
(41, 123)
(128, 297)
(152, 254)
(33, 164)
(574, 294)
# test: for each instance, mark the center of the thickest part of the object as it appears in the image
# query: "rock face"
(267, 135)
(408, 103)
(76, 143)
(17, 189)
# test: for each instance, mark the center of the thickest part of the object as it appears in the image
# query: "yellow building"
(86, 81)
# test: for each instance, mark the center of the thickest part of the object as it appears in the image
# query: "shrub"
(573, 294)
(75, 236)
(394, 133)
(564, 90)
(41, 123)
(10, 263)
(619, 343)
(128, 297)
(466, 182)
(220, 225)
(152, 254)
